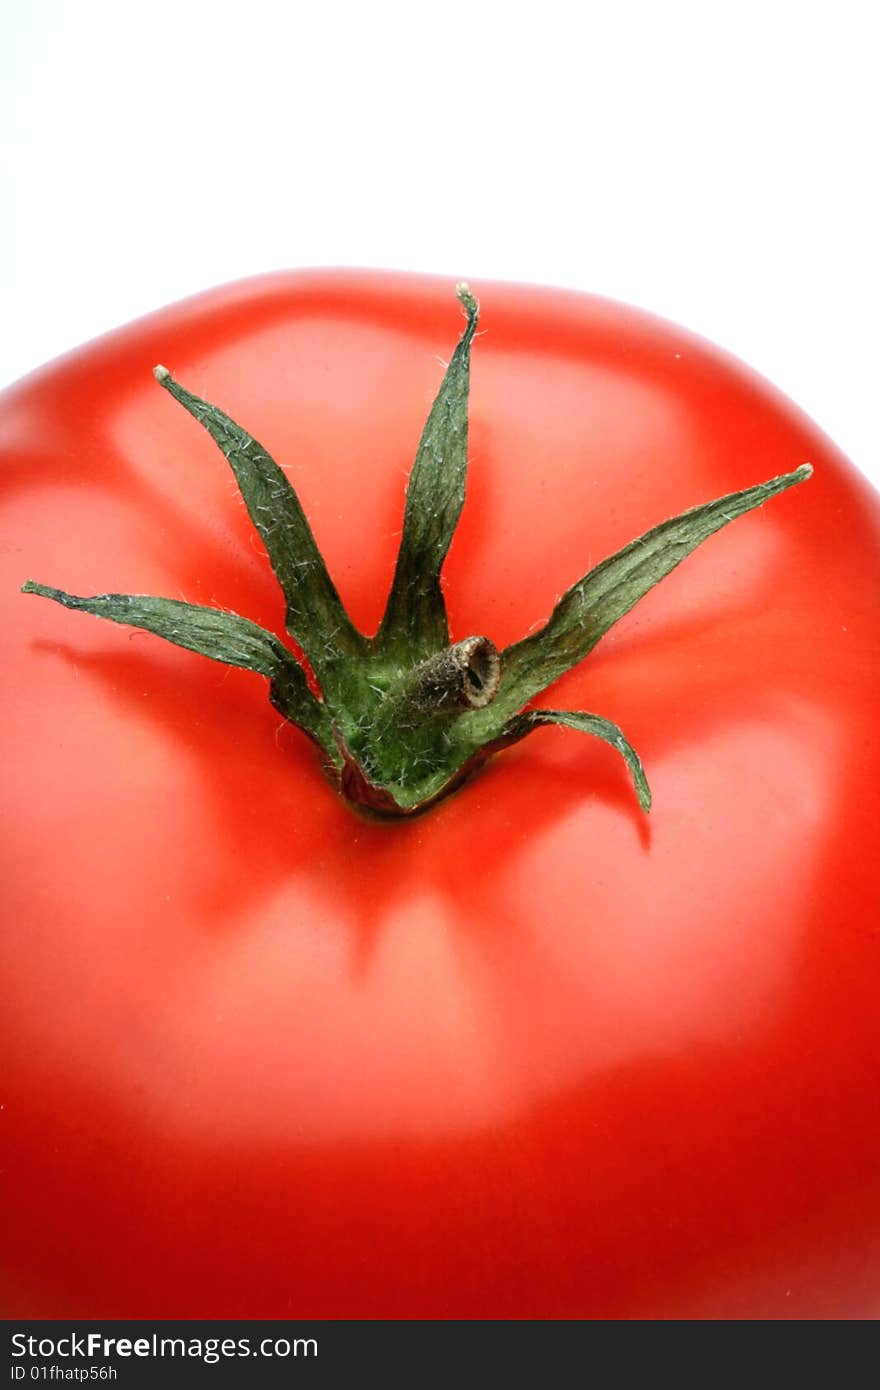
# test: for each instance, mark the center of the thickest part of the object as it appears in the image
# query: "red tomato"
(529, 1055)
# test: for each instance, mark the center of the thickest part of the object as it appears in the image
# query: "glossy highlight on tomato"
(524, 1056)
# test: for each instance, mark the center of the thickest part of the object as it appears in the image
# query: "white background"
(714, 163)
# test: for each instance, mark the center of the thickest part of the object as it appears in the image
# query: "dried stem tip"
(464, 676)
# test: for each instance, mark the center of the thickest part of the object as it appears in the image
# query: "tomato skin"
(527, 1056)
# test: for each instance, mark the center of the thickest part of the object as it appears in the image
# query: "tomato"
(530, 1054)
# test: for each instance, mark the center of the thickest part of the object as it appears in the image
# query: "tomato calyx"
(403, 717)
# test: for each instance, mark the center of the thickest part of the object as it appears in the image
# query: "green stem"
(403, 718)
